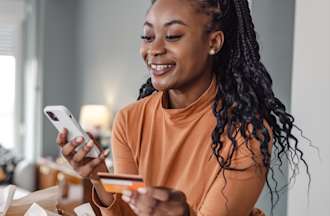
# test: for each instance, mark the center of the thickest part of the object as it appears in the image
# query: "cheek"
(195, 46)
(193, 56)
(143, 51)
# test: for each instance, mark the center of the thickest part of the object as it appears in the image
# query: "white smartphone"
(61, 118)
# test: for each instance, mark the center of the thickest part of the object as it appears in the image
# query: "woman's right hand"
(85, 166)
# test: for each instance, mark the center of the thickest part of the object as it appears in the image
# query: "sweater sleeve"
(237, 197)
(123, 163)
(236, 192)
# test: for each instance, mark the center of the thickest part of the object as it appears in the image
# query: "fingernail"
(125, 198)
(134, 208)
(142, 190)
(90, 144)
(127, 193)
(106, 152)
(79, 139)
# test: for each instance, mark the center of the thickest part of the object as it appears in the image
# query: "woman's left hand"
(157, 201)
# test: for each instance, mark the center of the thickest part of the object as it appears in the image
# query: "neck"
(180, 98)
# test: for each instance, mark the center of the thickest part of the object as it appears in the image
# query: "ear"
(216, 41)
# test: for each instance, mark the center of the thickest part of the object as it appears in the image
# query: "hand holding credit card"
(117, 183)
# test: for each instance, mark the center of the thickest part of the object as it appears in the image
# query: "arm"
(123, 163)
(236, 192)
(237, 197)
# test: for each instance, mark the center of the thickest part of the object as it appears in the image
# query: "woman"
(203, 129)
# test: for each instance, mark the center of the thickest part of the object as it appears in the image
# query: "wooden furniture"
(74, 189)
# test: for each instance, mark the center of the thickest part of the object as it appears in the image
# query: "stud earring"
(212, 52)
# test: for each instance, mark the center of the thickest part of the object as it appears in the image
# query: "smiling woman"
(203, 129)
(171, 41)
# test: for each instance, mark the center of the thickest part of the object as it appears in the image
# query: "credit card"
(117, 183)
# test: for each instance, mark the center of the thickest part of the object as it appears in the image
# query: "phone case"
(62, 118)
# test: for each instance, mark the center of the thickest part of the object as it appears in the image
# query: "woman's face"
(175, 46)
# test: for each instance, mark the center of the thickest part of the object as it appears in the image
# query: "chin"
(161, 84)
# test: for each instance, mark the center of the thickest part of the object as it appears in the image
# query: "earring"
(212, 52)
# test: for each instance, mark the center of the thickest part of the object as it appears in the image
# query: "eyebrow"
(172, 22)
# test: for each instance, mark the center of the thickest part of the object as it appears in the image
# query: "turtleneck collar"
(195, 109)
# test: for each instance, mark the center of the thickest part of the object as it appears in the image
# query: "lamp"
(95, 118)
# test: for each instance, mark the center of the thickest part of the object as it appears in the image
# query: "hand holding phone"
(61, 118)
(86, 167)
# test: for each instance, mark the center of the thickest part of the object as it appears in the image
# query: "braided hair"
(244, 93)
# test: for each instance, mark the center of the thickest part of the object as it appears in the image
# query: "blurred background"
(84, 54)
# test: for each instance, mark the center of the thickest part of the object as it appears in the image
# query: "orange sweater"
(172, 148)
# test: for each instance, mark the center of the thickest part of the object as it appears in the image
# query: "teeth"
(160, 67)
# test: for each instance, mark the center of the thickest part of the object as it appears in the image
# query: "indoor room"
(152, 123)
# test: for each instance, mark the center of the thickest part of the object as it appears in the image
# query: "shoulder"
(249, 146)
(134, 112)
(130, 120)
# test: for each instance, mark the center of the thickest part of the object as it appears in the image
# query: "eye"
(173, 38)
(147, 38)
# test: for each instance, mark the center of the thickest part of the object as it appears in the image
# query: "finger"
(129, 196)
(81, 154)
(61, 138)
(171, 208)
(146, 204)
(135, 210)
(143, 203)
(86, 169)
(91, 136)
(160, 194)
(130, 199)
(178, 196)
(104, 154)
(68, 148)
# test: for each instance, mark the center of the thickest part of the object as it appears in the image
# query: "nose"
(157, 47)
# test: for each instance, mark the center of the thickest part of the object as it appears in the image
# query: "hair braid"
(146, 89)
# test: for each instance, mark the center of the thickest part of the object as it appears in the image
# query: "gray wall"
(274, 21)
(109, 65)
(311, 105)
(59, 64)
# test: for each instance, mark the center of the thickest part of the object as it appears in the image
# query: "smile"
(161, 69)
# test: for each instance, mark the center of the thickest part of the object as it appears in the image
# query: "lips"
(158, 69)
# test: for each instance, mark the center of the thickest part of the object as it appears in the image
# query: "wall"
(110, 69)
(274, 21)
(59, 64)
(311, 105)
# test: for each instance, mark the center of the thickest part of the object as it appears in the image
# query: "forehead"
(164, 11)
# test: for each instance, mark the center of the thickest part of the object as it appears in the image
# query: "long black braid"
(244, 95)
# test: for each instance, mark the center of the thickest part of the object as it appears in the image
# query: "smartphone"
(117, 183)
(61, 118)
